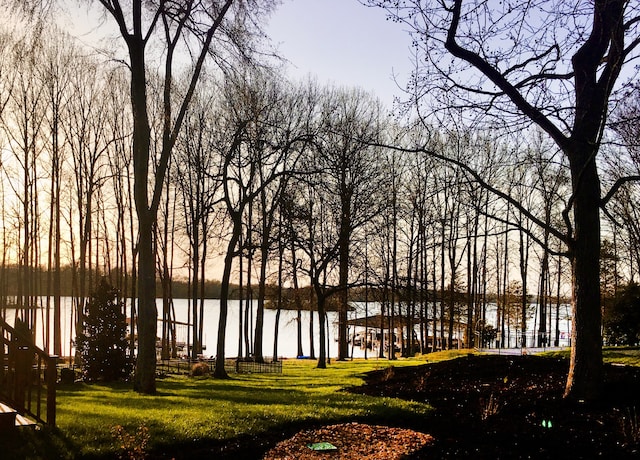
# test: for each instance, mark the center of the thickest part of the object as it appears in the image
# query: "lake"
(287, 343)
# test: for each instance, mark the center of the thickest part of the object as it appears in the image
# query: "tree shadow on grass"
(35, 443)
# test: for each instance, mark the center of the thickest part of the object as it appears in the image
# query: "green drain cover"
(322, 446)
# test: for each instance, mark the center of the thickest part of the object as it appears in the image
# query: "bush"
(200, 369)
(67, 375)
(103, 343)
(622, 319)
(132, 446)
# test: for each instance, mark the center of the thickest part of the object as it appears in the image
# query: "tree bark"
(585, 377)
(144, 380)
(220, 372)
(322, 354)
(343, 276)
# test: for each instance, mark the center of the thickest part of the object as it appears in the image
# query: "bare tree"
(316, 233)
(195, 164)
(509, 60)
(245, 120)
(623, 161)
(288, 116)
(351, 122)
(420, 189)
(194, 25)
(23, 122)
(6, 88)
(57, 65)
(120, 159)
(85, 128)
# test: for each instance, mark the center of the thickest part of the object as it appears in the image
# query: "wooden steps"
(10, 419)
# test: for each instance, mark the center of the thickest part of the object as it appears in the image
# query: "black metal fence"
(232, 366)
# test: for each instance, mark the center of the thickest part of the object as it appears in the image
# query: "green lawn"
(629, 356)
(196, 412)
(200, 411)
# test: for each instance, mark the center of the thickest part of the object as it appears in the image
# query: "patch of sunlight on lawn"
(629, 356)
(196, 409)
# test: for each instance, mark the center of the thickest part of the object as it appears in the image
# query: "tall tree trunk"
(240, 298)
(322, 356)
(505, 284)
(144, 379)
(133, 310)
(408, 349)
(276, 328)
(203, 262)
(343, 276)
(195, 285)
(586, 370)
(472, 281)
(57, 282)
(556, 341)
(296, 294)
(312, 347)
(394, 276)
(165, 352)
(248, 308)
(220, 372)
(262, 281)
(434, 306)
(524, 269)
(442, 286)
(543, 333)
(366, 297)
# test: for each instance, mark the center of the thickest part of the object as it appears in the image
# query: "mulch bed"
(351, 441)
(512, 407)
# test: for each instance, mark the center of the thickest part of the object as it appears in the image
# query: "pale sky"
(338, 41)
(343, 42)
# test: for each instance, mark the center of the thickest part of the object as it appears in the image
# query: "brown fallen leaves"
(354, 441)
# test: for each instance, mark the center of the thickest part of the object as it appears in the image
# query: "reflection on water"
(287, 337)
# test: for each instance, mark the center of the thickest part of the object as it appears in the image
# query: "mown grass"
(629, 356)
(202, 411)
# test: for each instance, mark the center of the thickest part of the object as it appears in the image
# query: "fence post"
(52, 378)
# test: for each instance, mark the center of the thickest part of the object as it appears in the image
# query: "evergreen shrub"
(103, 343)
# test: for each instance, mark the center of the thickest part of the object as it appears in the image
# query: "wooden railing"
(27, 375)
